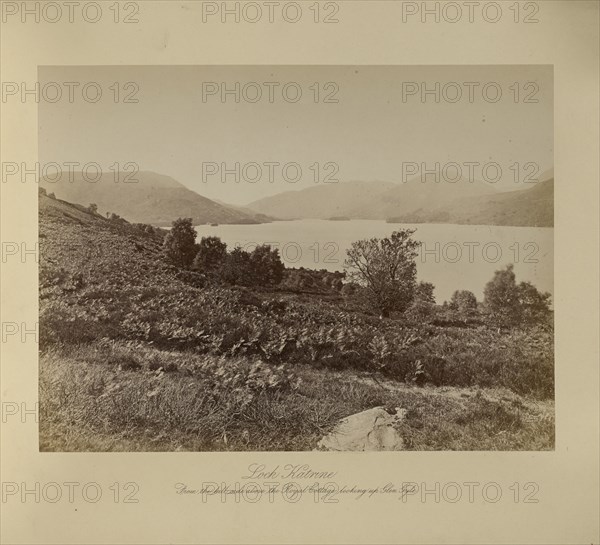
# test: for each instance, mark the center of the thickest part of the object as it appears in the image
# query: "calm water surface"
(451, 257)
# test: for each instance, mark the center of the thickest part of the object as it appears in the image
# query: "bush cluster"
(260, 267)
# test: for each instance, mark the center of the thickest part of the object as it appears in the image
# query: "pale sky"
(368, 133)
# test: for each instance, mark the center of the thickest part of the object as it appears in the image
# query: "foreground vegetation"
(112, 397)
(141, 353)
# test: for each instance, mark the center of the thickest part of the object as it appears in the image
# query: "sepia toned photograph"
(296, 258)
(297, 272)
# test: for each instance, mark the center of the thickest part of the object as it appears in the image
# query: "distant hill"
(366, 200)
(461, 202)
(322, 201)
(415, 194)
(262, 218)
(155, 199)
(533, 207)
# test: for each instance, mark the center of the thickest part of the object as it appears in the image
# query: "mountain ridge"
(462, 202)
(532, 207)
(319, 202)
(154, 198)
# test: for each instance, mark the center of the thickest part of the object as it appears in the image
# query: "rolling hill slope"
(321, 202)
(155, 199)
(415, 194)
(462, 202)
(533, 207)
(366, 200)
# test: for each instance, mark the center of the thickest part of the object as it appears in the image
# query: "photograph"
(297, 272)
(296, 258)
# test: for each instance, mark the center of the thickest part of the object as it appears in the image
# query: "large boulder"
(370, 430)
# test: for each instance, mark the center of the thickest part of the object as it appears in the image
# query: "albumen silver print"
(298, 272)
(338, 258)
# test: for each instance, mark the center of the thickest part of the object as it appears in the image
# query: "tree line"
(380, 275)
(260, 267)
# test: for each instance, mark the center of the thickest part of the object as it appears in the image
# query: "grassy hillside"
(138, 355)
(155, 199)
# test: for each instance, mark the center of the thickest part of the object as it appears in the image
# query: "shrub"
(211, 255)
(237, 267)
(180, 243)
(309, 280)
(261, 267)
(423, 304)
(463, 305)
(266, 268)
(510, 304)
(535, 305)
(349, 289)
(501, 297)
(463, 301)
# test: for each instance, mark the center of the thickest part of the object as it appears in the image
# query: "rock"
(369, 430)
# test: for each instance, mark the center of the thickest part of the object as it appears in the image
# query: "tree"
(386, 269)
(236, 268)
(423, 304)
(501, 297)
(511, 304)
(261, 267)
(180, 243)
(93, 208)
(424, 293)
(464, 304)
(463, 301)
(266, 266)
(211, 255)
(534, 305)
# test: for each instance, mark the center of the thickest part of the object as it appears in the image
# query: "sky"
(362, 123)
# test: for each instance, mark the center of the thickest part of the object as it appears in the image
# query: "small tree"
(180, 243)
(211, 255)
(501, 297)
(423, 304)
(534, 305)
(93, 208)
(236, 268)
(387, 270)
(266, 266)
(424, 292)
(463, 301)
(511, 304)
(463, 304)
